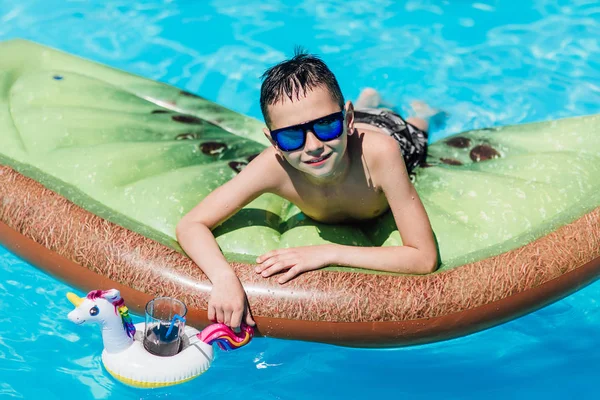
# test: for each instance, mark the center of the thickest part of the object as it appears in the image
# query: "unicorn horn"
(74, 299)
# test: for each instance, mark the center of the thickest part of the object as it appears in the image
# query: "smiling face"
(322, 160)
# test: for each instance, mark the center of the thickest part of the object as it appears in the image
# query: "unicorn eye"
(94, 311)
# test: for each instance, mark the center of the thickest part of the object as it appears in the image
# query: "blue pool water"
(484, 62)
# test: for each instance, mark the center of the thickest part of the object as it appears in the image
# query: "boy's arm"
(417, 255)
(194, 234)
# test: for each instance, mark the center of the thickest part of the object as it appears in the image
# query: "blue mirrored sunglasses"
(325, 129)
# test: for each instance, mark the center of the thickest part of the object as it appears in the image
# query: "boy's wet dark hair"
(296, 76)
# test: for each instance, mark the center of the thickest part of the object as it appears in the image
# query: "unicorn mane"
(225, 337)
(127, 322)
(113, 296)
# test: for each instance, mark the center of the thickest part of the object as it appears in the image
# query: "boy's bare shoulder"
(266, 159)
(381, 153)
(268, 155)
(266, 168)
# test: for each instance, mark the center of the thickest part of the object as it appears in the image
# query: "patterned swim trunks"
(412, 141)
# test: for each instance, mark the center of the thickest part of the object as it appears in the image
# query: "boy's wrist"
(331, 254)
(223, 273)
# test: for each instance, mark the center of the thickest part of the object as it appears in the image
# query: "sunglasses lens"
(329, 129)
(290, 139)
(293, 137)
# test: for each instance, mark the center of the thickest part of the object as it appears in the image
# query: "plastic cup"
(164, 327)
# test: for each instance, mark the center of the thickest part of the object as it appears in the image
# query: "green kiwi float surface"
(97, 166)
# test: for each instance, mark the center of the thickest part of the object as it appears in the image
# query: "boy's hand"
(228, 303)
(296, 260)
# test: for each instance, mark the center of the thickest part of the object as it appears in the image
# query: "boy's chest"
(348, 202)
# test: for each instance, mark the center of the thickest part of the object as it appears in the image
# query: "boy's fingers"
(267, 263)
(248, 315)
(227, 318)
(220, 316)
(277, 254)
(211, 314)
(274, 269)
(236, 320)
(260, 268)
(249, 319)
(265, 256)
(286, 257)
(292, 273)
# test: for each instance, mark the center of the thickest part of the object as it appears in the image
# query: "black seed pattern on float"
(187, 136)
(252, 157)
(187, 119)
(459, 142)
(187, 94)
(237, 166)
(213, 148)
(483, 152)
(451, 161)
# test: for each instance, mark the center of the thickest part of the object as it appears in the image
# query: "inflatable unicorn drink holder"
(181, 353)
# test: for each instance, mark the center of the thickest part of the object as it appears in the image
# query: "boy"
(336, 165)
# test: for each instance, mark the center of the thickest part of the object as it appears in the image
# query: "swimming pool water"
(484, 62)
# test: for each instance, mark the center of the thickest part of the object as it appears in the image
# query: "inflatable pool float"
(124, 355)
(98, 166)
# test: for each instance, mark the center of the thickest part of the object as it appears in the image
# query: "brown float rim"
(362, 334)
(347, 308)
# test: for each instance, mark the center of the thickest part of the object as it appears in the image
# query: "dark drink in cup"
(157, 342)
(165, 323)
